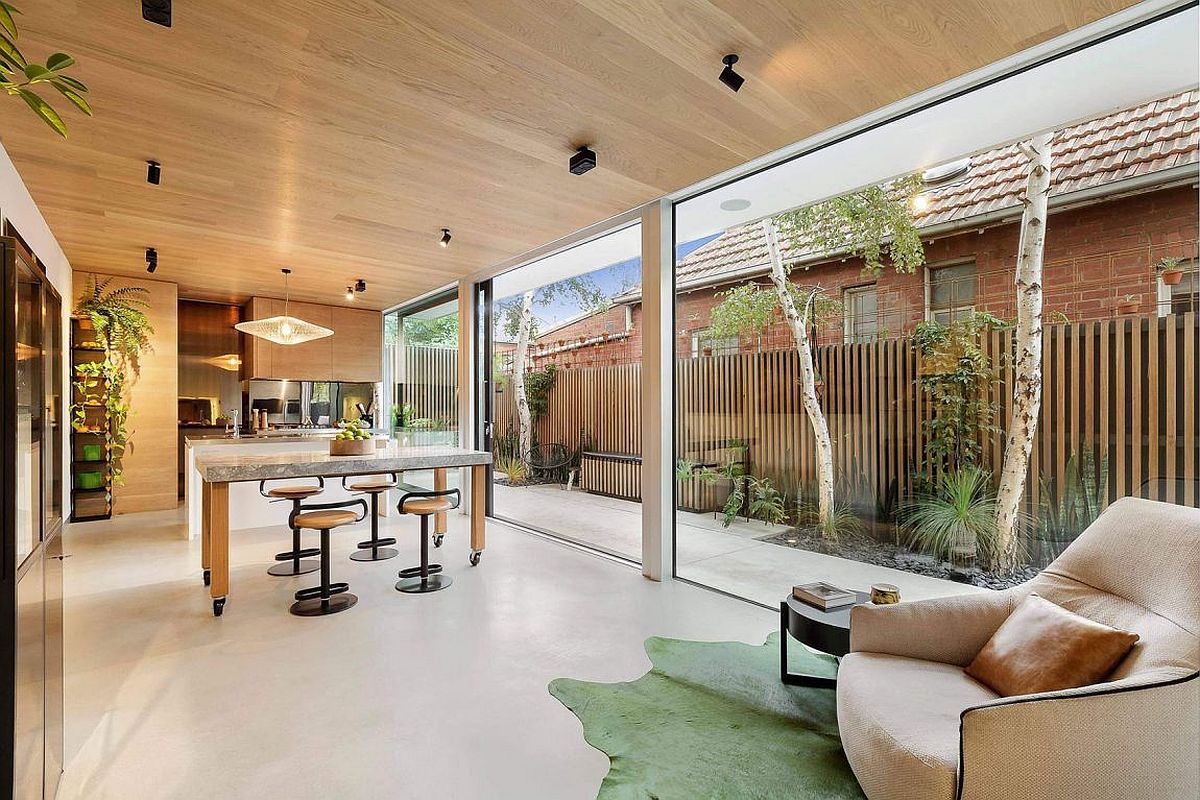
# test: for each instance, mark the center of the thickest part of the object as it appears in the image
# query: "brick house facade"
(1124, 197)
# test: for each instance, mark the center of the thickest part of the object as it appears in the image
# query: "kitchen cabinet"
(353, 353)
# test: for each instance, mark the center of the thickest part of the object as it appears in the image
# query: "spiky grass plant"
(513, 468)
(842, 519)
(958, 516)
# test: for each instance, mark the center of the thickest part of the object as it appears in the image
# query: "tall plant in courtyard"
(1027, 382)
(874, 224)
(518, 320)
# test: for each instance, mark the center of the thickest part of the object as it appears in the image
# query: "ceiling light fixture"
(735, 204)
(445, 240)
(284, 329)
(151, 260)
(728, 76)
(360, 285)
(583, 160)
(157, 11)
(349, 292)
(153, 172)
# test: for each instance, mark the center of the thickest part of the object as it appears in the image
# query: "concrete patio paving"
(730, 559)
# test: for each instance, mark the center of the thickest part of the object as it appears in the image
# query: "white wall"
(17, 206)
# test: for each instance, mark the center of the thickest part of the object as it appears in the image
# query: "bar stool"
(293, 562)
(325, 598)
(375, 548)
(426, 577)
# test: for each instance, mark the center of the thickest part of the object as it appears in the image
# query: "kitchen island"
(220, 468)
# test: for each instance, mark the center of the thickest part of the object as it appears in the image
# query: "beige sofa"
(915, 727)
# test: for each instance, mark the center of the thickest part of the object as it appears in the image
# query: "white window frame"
(731, 347)
(849, 318)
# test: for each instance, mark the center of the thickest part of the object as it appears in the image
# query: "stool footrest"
(307, 552)
(315, 591)
(412, 572)
(368, 544)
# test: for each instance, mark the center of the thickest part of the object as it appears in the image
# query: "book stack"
(823, 595)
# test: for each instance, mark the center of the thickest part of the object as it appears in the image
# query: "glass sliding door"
(563, 393)
(421, 355)
(828, 450)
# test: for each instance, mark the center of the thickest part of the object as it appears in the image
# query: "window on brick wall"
(950, 291)
(862, 319)
(704, 344)
(1182, 297)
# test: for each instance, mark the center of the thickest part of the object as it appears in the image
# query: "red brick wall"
(1095, 256)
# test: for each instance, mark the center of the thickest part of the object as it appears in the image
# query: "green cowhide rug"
(712, 720)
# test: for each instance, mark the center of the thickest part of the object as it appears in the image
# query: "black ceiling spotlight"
(728, 76)
(360, 285)
(583, 160)
(445, 240)
(157, 11)
(153, 172)
(151, 260)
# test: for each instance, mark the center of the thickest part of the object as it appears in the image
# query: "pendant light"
(284, 329)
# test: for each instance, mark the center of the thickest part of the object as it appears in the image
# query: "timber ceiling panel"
(339, 136)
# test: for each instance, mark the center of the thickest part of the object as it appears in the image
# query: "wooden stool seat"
(294, 492)
(325, 520)
(371, 488)
(428, 505)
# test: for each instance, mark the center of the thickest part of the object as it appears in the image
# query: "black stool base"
(288, 568)
(378, 554)
(418, 585)
(409, 572)
(316, 607)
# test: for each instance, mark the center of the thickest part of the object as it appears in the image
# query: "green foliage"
(1067, 509)
(873, 224)
(752, 307)
(513, 468)
(842, 519)
(685, 469)
(538, 384)
(439, 332)
(18, 75)
(957, 519)
(766, 502)
(956, 374)
(506, 444)
(582, 290)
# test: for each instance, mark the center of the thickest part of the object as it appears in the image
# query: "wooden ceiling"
(339, 136)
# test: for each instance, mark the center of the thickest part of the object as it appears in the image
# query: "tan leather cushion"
(371, 487)
(427, 505)
(292, 492)
(324, 520)
(1042, 647)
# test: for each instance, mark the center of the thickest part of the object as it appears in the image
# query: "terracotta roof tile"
(1152, 137)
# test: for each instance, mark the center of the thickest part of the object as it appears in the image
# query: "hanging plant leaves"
(43, 110)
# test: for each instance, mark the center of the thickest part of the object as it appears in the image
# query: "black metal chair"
(375, 548)
(426, 577)
(326, 597)
(296, 561)
(549, 457)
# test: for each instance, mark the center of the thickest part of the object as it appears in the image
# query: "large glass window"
(865, 444)
(565, 386)
(421, 371)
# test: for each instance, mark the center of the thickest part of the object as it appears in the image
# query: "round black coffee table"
(827, 631)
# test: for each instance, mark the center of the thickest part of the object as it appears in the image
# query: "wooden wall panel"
(357, 344)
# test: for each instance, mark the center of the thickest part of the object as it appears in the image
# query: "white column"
(658, 364)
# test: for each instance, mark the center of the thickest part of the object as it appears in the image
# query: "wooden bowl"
(351, 447)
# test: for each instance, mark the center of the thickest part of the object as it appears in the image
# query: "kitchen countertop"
(234, 467)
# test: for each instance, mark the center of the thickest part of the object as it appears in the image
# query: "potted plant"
(1170, 271)
(1129, 305)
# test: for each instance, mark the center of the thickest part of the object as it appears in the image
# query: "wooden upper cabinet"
(354, 353)
(357, 345)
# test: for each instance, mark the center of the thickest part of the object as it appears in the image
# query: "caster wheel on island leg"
(475, 556)
(218, 606)
(207, 577)
(437, 539)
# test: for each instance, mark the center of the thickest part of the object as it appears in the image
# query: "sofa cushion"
(899, 722)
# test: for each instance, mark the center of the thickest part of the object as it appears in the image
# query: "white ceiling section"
(1151, 61)
(611, 248)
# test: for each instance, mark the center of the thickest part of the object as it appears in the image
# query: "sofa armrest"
(1136, 737)
(951, 630)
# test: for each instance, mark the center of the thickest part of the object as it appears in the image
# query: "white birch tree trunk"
(1027, 384)
(525, 422)
(797, 320)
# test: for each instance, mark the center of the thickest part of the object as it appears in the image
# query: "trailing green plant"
(766, 502)
(957, 519)
(19, 76)
(538, 384)
(1066, 509)
(956, 374)
(513, 468)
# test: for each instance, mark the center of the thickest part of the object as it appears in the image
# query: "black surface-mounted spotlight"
(153, 172)
(151, 259)
(583, 160)
(728, 76)
(157, 11)
(445, 240)
(360, 285)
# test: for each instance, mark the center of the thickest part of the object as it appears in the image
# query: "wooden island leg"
(479, 475)
(205, 538)
(218, 544)
(439, 520)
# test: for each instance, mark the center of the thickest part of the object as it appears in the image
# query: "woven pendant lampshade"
(284, 329)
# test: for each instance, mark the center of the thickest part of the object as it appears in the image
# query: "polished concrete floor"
(438, 695)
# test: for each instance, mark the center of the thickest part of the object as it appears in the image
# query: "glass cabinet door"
(30, 415)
